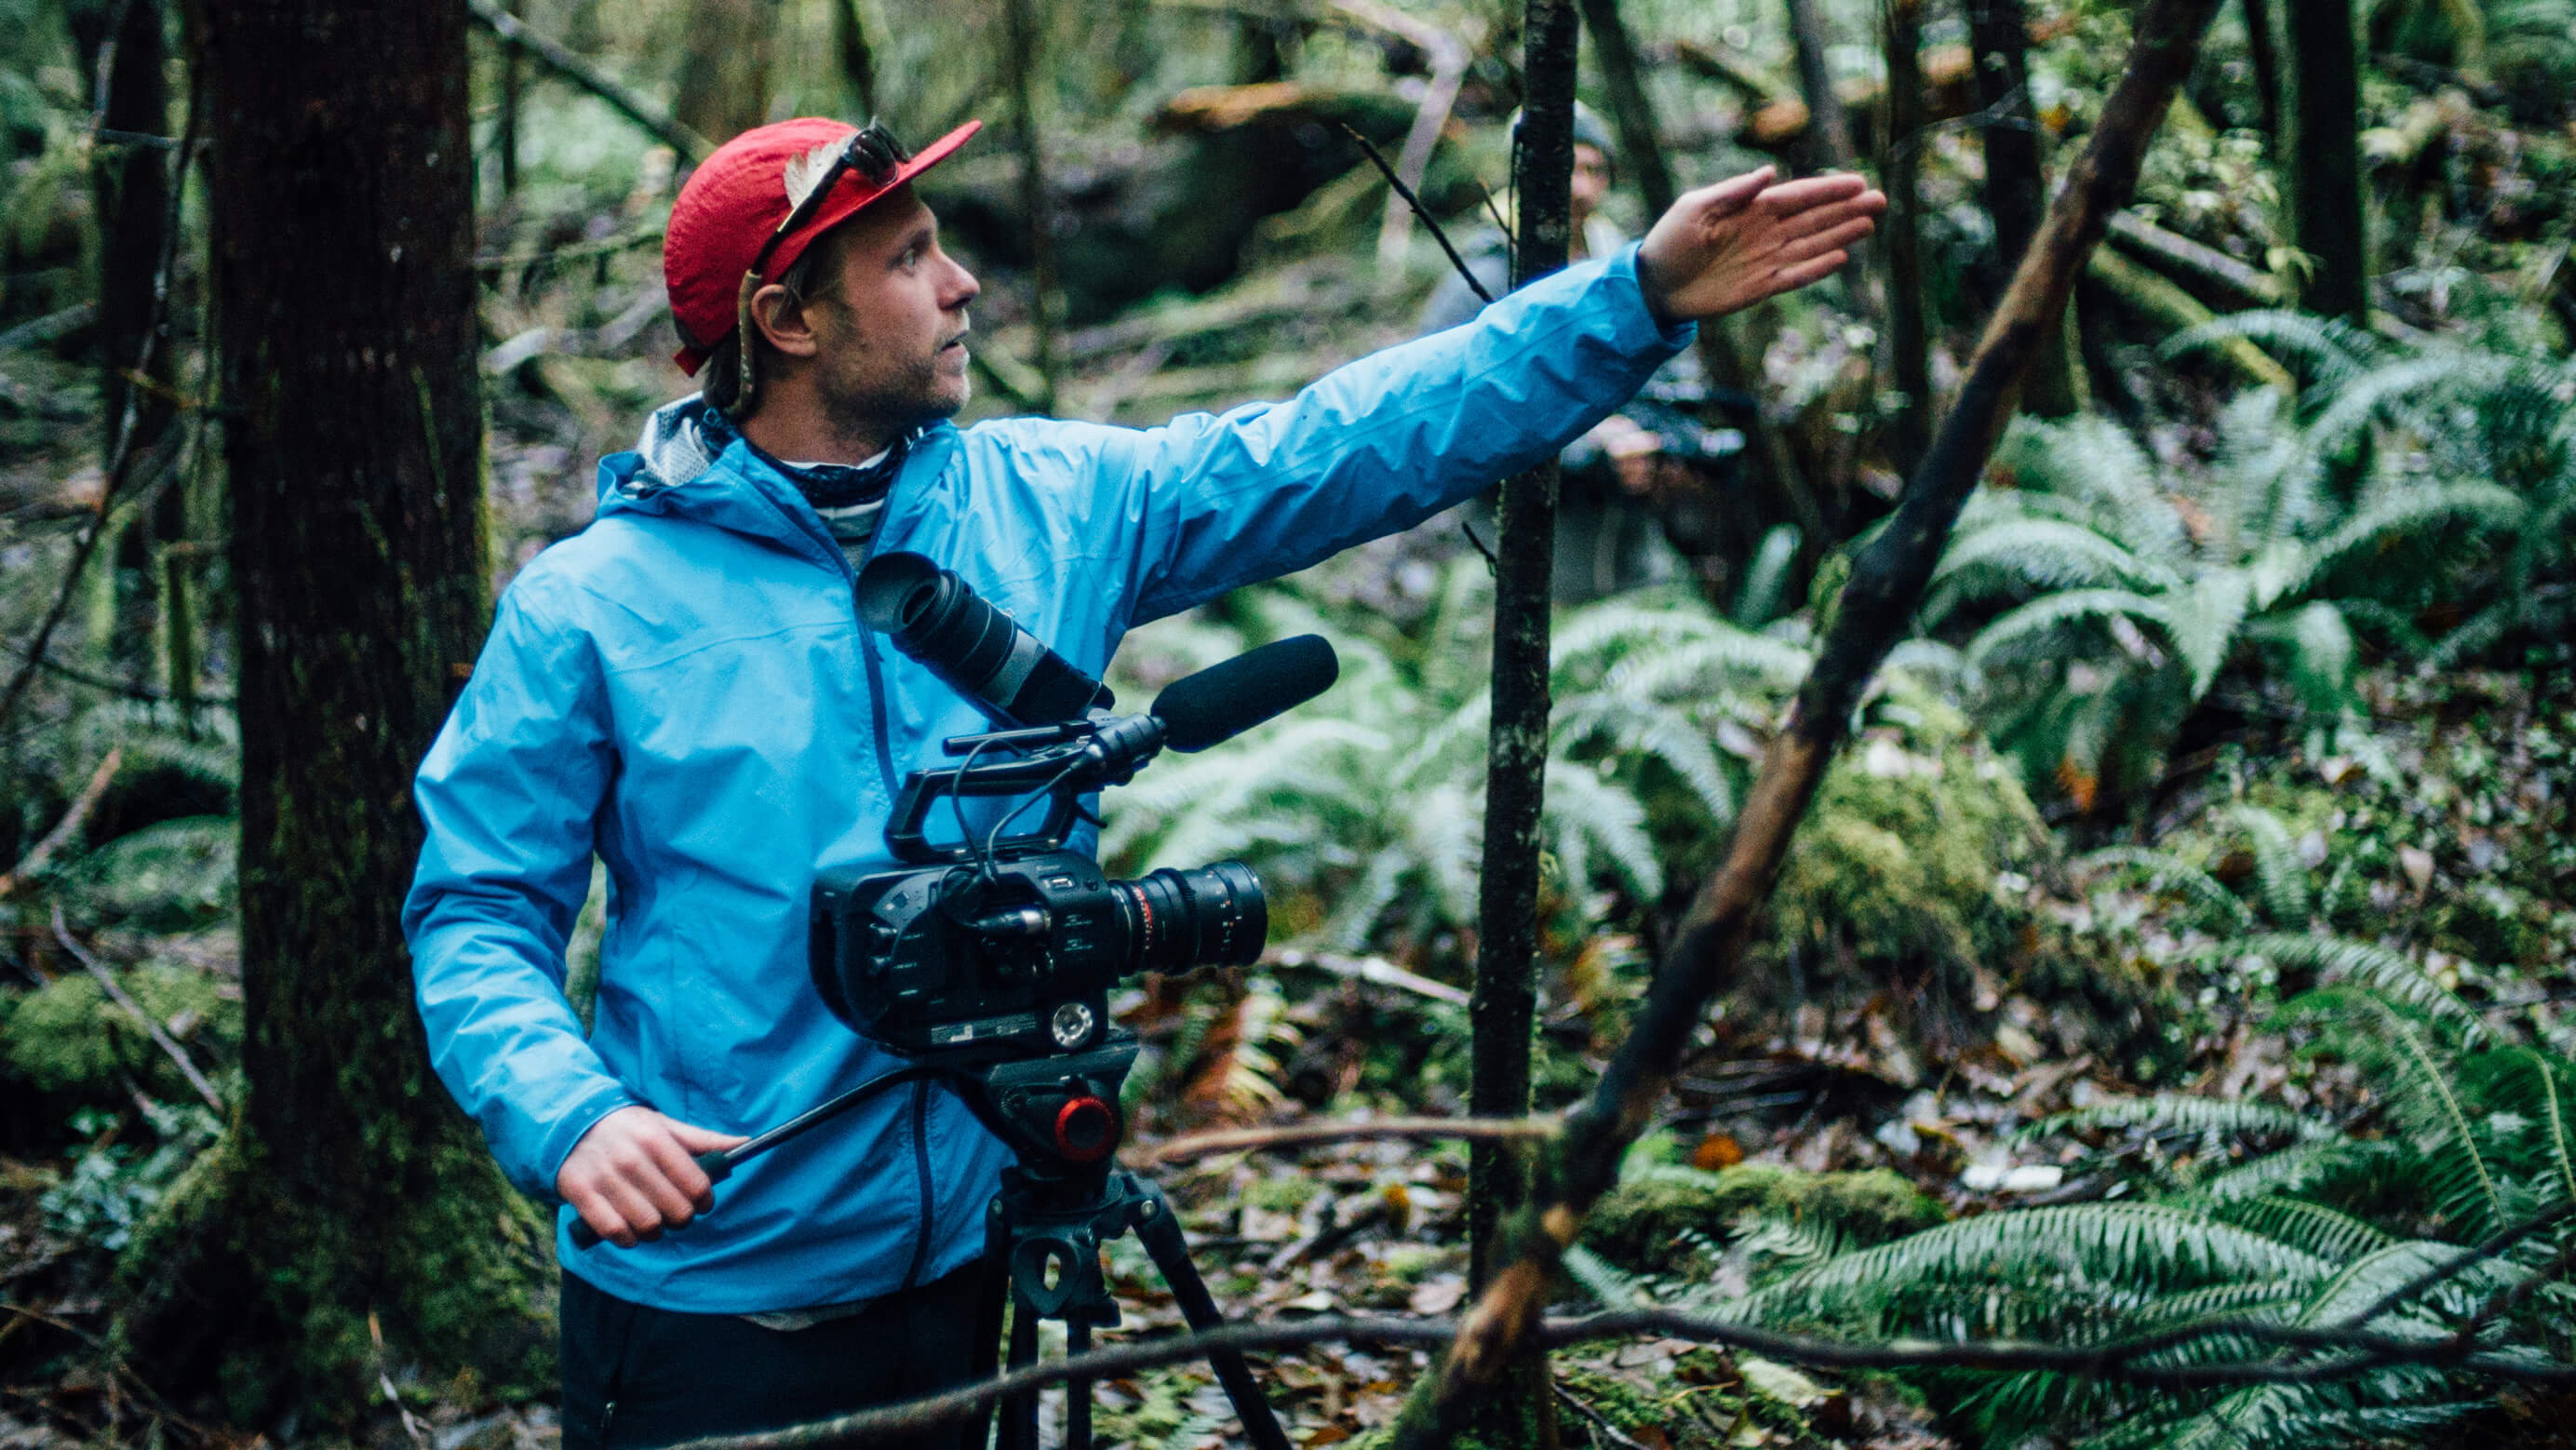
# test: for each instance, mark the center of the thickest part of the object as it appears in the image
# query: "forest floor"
(1376, 1228)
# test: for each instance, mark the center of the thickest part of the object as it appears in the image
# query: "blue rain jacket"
(683, 689)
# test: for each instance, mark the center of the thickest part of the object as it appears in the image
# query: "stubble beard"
(861, 406)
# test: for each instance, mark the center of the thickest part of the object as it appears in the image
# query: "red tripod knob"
(1086, 1128)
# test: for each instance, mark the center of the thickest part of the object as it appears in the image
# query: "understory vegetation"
(2187, 933)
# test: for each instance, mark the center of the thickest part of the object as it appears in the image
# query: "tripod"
(1042, 1235)
(1057, 1205)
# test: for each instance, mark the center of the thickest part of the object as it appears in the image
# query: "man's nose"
(962, 286)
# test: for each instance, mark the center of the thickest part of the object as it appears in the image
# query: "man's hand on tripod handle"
(637, 1172)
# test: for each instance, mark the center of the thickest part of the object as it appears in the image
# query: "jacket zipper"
(921, 1175)
(885, 774)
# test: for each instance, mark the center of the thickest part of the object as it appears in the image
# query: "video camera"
(1006, 948)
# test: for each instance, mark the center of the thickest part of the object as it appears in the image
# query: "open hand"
(1722, 248)
(635, 1171)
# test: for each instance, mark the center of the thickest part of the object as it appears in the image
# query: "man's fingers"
(1790, 197)
(603, 1219)
(1791, 278)
(637, 1218)
(1799, 249)
(704, 1140)
(681, 1174)
(1733, 194)
(1827, 218)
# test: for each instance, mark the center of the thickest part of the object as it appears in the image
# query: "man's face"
(892, 336)
(1591, 181)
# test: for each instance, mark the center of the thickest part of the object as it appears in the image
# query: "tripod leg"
(1020, 1412)
(1161, 1235)
(977, 1433)
(1077, 1392)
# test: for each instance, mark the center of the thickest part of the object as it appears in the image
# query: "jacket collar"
(690, 463)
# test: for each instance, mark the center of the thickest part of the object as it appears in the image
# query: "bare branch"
(1307, 1135)
(1423, 212)
(69, 826)
(573, 66)
(134, 1009)
(1887, 582)
(2349, 1351)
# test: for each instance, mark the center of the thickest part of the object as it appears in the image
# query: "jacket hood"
(690, 463)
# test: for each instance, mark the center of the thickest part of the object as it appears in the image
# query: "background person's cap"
(737, 197)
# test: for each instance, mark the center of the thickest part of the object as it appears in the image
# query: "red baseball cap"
(738, 196)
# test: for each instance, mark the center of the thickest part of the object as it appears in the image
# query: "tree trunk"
(723, 87)
(350, 1195)
(130, 189)
(2263, 51)
(1640, 141)
(1503, 1008)
(1020, 33)
(2016, 185)
(2324, 175)
(1886, 586)
(858, 56)
(1827, 145)
(1910, 432)
(506, 127)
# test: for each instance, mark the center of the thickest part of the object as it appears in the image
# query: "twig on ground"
(1307, 1135)
(33, 863)
(1599, 1421)
(2119, 1361)
(134, 1009)
(1373, 969)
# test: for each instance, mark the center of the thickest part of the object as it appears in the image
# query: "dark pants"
(635, 1376)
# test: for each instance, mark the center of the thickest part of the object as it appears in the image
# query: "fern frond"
(2167, 872)
(1766, 578)
(2068, 606)
(2384, 972)
(2410, 511)
(2277, 870)
(2179, 1113)
(2052, 555)
(1579, 803)
(2322, 1231)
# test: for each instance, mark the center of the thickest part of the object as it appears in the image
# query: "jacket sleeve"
(1383, 443)
(509, 793)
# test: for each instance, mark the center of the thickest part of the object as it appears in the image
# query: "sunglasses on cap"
(873, 153)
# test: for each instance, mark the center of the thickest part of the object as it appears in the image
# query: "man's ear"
(783, 321)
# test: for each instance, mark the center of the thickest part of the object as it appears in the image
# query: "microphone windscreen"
(1229, 698)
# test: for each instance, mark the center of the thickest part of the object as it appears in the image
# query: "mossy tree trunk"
(2323, 178)
(351, 1195)
(1503, 1008)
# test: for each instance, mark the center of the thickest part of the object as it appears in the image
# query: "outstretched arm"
(1722, 248)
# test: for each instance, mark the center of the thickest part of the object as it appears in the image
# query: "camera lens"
(1211, 917)
(932, 616)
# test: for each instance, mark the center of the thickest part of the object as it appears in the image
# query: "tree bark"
(2263, 52)
(1640, 140)
(1909, 433)
(1503, 1007)
(723, 87)
(2016, 185)
(858, 55)
(2324, 175)
(130, 189)
(1887, 583)
(1827, 145)
(350, 1195)
(1020, 34)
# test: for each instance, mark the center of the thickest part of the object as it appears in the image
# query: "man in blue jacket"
(683, 690)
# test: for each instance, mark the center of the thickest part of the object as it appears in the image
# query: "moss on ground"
(1639, 1225)
(69, 1038)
